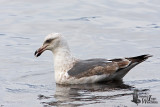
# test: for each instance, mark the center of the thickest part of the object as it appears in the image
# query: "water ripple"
(149, 26)
(143, 81)
(1, 34)
(20, 37)
(20, 90)
(79, 19)
(78, 95)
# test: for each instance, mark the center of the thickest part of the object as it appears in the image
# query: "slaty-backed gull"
(70, 70)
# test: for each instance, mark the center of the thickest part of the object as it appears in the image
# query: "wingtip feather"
(140, 58)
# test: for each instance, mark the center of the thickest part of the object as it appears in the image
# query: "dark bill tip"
(37, 53)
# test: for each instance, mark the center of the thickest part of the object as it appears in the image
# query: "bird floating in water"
(70, 70)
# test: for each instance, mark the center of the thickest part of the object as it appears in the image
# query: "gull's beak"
(39, 51)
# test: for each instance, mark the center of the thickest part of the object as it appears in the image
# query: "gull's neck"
(63, 59)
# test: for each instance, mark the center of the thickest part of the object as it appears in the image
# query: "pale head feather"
(52, 36)
(57, 44)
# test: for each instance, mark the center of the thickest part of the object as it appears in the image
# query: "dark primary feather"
(120, 73)
(140, 58)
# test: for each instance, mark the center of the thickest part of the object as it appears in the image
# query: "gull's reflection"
(77, 95)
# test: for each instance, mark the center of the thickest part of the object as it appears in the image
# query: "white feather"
(63, 60)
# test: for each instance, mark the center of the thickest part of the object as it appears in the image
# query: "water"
(103, 28)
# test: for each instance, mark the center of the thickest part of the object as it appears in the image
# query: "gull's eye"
(48, 41)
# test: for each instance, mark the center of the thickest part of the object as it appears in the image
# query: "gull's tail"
(139, 59)
(134, 61)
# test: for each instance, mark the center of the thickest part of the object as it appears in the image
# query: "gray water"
(93, 28)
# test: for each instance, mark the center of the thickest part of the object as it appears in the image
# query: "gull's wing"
(85, 68)
(114, 68)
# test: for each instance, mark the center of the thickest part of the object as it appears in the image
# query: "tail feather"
(134, 61)
(139, 59)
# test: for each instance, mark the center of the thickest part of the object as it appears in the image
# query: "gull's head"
(51, 42)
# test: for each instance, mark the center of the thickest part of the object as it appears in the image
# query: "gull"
(71, 70)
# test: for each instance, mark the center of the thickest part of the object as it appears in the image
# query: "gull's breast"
(64, 78)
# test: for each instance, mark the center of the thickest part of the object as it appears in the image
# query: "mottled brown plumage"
(114, 68)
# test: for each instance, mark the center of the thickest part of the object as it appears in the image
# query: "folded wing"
(115, 69)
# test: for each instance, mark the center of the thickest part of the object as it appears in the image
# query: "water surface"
(103, 28)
